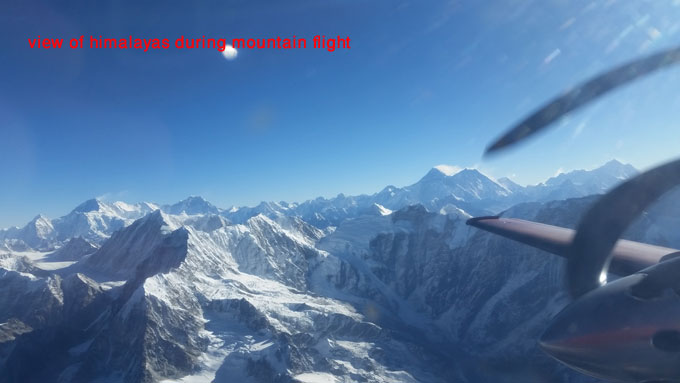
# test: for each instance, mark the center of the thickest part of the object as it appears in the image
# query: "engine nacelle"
(625, 331)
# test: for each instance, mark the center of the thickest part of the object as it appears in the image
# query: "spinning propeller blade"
(583, 94)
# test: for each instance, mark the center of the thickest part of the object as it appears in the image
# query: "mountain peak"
(467, 175)
(507, 180)
(616, 165)
(156, 217)
(469, 171)
(40, 218)
(88, 206)
(441, 171)
(193, 205)
(447, 170)
(614, 162)
(509, 184)
(194, 200)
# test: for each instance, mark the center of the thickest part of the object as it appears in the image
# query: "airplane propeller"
(583, 94)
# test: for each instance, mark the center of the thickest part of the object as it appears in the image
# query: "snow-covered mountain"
(468, 189)
(191, 206)
(580, 183)
(93, 220)
(392, 287)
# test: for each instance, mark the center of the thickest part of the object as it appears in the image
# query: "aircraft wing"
(628, 256)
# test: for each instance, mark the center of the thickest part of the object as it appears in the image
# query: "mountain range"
(468, 189)
(387, 287)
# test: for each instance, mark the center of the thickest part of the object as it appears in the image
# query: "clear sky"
(424, 83)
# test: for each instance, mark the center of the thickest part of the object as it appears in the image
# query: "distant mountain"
(38, 234)
(191, 206)
(599, 179)
(93, 220)
(580, 183)
(467, 189)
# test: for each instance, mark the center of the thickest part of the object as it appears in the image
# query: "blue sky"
(425, 83)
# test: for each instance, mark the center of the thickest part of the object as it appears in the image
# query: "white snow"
(54, 265)
(448, 170)
(316, 377)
